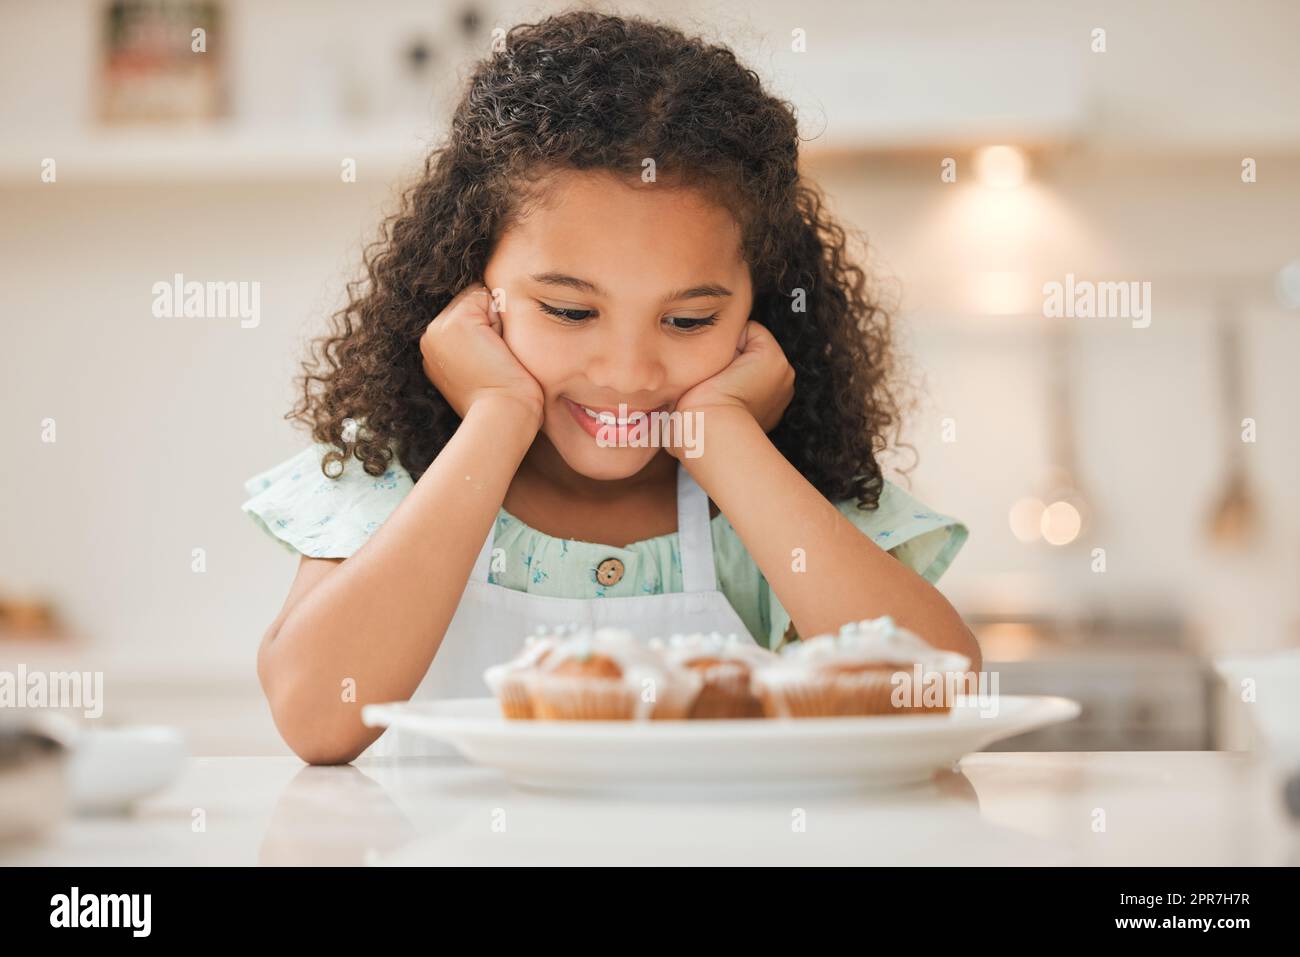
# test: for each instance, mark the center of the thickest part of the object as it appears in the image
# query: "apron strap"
(694, 535)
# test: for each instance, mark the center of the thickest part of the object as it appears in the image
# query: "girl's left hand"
(759, 380)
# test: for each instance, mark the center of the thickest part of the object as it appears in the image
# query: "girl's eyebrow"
(706, 291)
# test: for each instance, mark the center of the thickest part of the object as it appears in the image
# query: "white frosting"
(617, 644)
(681, 649)
(637, 661)
(557, 631)
(872, 640)
(535, 645)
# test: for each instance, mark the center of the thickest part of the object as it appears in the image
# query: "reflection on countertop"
(998, 809)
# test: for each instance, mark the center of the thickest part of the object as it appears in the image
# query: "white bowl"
(1274, 680)
(113, 767)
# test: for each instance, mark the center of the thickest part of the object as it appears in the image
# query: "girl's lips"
(629, 433)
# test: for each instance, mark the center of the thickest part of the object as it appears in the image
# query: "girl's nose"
(627, 365)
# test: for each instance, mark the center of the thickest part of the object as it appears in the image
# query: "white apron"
(492, 621)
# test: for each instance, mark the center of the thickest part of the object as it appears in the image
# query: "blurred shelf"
(204, 155)
(129, 667)
(207, 155)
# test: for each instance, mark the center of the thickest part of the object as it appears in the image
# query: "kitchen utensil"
(1233, 520)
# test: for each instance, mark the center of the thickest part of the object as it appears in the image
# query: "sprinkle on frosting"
(683, 648)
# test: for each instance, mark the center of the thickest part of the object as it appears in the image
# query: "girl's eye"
(575, 316)
(694, 323)
(568, 315)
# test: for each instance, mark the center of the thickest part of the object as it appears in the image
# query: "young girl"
(617, 225)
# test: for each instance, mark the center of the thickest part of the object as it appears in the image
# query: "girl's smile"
(592, 419)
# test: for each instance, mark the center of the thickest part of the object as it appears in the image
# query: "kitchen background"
(1119, 156)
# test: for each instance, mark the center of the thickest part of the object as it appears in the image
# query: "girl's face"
(615, 293)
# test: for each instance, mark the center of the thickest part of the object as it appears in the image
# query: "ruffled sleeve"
(924, 540)
(321, 517)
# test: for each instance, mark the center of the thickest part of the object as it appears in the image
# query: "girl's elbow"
(317, 743)
(313, 734)
(325, 753)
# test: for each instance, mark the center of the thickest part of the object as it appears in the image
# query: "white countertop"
(1159, 807)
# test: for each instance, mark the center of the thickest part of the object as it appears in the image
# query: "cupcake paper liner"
(512, 694)
(866, 693)
(572, 698)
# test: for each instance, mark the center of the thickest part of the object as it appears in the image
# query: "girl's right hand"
(467, 360)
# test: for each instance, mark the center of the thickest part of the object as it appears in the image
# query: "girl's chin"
(582, 454)
(608, 464)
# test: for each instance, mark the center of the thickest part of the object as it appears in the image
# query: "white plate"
(755, 754)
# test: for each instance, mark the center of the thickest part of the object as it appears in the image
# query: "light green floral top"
(321, 517)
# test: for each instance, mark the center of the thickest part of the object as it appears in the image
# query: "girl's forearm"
(379, 617)
(844, 576)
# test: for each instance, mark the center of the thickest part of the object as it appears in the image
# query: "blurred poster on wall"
(162, 62)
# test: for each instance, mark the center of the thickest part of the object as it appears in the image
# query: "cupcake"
(506, 680)
(608, 675)
(725, 664)
(872, 667)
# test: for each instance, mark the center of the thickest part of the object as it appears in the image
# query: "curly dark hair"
(584, 90)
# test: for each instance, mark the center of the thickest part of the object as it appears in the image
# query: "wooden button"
(609, 572)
